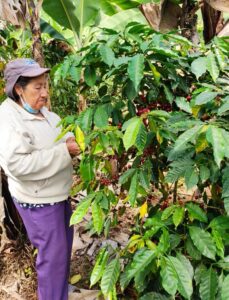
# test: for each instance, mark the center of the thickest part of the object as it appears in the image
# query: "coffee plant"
(157, 118)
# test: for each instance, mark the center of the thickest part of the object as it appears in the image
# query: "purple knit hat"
(21, 67)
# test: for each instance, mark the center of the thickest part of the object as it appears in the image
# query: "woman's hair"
(22, 82)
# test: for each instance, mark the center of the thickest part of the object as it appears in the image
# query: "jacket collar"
(24, 114)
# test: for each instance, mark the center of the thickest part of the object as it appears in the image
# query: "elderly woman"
(39, 172)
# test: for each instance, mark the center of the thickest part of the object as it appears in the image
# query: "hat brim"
(35, 72)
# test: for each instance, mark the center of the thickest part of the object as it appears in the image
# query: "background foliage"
(157, 118)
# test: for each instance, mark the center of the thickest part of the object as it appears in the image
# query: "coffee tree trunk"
(11, 221)
(188, 21)
(213, 21)
(34, 23)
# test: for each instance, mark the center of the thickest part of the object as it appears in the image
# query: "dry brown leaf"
(222, 5)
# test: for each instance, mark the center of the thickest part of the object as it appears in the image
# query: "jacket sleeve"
(25, 162)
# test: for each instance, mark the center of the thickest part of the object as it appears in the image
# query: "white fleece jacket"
(39, 169)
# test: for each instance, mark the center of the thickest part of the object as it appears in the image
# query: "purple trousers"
(49, 231)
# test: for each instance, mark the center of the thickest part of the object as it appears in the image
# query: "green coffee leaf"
(107, 55)
(208, 285)
(85, 119)
(220, 223)
(141, 260)
(169, 277)
(178, 215)
(133, 191)
(226, 204)
(183, 104)
(205, 97)
(110, 276)
(186, 137)
(225, 289)
(101, 117)
(131, 133)
(196, 213)
(97, 217)
(203, 241)
(168, 212)
(75, 73)
(215, 138)
(101, 261)
(192, 250)
(191, 177)
(87, 168)
(199, 66)
(212, 66)
(141, 138)
(217, 238)
(221, 59)
(163, 244)
(183, 276)
(136, 69)
(204, 173)
(90, 76)
(81, 209)
(199, 271)
(126, 176)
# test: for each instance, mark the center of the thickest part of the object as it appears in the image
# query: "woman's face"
(35, 93)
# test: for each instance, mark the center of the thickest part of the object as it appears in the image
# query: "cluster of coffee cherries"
(161, 105)
(164, 204)
(107, 181)
(141, 111)
(146, 153)
(153, 106)
(189, 98)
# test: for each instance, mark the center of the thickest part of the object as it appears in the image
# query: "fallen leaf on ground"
(75, 278)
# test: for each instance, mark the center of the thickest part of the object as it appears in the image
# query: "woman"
(39, 172)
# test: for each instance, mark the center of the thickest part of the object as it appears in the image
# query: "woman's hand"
(72, 146)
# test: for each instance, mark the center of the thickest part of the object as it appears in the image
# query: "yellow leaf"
(63, 132)
(161, 175)
(204, 128)
(76, 189)
(195, 110)
(133, 249)
(159, 137)
(134, 240)
(156, 74)
(132, 244)
(35, 252)
(97, 148)
(135, 237)
(2, 65)
(2, 91)
(141, 244)
(201, 143)
(126, 199)
(75, 278)
(143, 210)
(80, 139)
(151, 245)
(152, 125)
